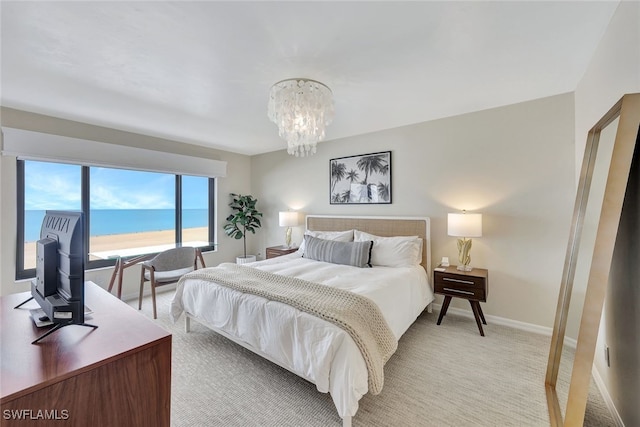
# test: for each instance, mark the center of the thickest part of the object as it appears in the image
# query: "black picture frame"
(362, 179)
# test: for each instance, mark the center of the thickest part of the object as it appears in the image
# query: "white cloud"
(113, 197)
(121, 189)
(54, 192)
(57, 186)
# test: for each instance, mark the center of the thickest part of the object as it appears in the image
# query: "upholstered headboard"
(380, 226)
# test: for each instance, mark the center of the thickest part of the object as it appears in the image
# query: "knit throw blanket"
(359, 316)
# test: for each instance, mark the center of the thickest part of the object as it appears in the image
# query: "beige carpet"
(445, 375)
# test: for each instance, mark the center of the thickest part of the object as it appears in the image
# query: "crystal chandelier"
(301, 108)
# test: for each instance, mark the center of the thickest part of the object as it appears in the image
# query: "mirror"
(599, 159)
(601, 188)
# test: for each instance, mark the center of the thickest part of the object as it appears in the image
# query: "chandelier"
(301, 108)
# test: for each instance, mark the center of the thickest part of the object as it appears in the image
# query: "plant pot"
(244, 260)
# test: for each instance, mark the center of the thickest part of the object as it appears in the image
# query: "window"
(127, 212)
(44, 186)
(195, 210)
(130, 210)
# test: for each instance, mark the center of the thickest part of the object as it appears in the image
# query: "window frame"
(29, 273)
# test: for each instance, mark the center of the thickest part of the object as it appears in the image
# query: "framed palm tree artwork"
(361, 179)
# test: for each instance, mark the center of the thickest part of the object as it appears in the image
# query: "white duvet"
(306, 345)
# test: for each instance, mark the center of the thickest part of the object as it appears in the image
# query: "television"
(59, 283)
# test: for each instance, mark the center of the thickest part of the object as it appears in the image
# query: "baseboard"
(606, 396)
(496, 320)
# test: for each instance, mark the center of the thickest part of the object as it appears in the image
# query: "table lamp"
(288, 219)
(464, 225)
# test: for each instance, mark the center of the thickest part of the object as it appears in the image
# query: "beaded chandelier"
(302, 109)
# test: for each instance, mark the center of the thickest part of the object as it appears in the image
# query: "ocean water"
(120, 221)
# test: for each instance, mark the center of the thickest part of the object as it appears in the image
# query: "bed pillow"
(337, 252)
(340, 236)
(397, 251)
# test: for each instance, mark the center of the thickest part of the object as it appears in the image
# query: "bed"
(310, 346)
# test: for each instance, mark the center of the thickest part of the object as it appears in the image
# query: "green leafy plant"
(244, 219)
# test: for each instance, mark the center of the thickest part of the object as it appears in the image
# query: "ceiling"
(200, 72)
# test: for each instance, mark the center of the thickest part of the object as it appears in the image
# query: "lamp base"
(464, 259)
(287, 238)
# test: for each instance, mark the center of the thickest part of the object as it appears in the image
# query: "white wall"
(613, 71)
(237, 180)
(514, 165)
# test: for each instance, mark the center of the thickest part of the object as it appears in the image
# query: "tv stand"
(117, 375)
(61, 325)
(23, 302)
(57, 325)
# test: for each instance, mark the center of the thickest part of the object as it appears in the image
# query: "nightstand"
(471, 285)
(275, 251)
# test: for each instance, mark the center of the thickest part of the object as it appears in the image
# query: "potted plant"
(245, 218)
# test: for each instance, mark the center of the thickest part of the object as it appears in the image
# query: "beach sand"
(115, 242)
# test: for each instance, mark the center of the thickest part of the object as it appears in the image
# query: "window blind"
(29, 145)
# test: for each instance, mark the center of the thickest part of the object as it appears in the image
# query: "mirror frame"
(627, 134)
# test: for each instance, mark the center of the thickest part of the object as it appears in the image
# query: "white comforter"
(306, 345)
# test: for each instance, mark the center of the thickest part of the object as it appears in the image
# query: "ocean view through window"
(127, 212)
(195, 209)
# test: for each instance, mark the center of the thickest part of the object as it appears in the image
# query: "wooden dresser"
(116, 375)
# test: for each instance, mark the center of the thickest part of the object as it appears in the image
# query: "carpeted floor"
(445, 375)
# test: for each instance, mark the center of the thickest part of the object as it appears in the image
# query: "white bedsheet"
(306, 345)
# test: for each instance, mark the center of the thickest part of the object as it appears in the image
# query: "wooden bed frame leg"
(346, 422)
(430, 308)
(187, 324)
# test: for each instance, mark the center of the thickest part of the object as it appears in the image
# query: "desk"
(116, 375)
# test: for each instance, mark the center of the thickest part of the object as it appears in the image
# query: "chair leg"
(116, 269)
(141, 288)
(153, 295)
(199, 257)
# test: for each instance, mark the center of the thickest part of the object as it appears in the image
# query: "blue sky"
(57, 186)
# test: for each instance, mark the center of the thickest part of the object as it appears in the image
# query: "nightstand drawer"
(460, 290)
(454, 280)
(276, 251)
(469, 285)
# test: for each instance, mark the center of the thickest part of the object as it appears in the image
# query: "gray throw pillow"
(357, 254)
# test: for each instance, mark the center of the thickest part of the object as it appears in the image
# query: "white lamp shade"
(288, 219)
(464, 225)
